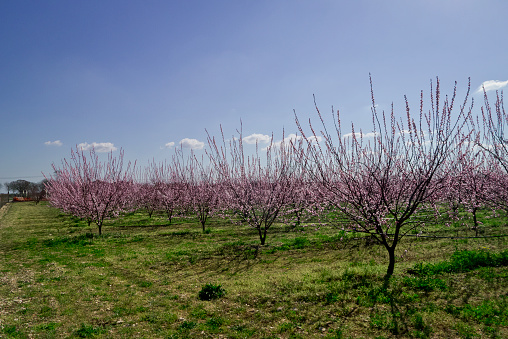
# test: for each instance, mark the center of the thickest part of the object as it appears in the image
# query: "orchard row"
(444, 157)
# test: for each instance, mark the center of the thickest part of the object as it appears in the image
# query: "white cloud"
(192, 143)
(53, 143)
(260, 138)
(294, 138)
(287, 140)
(100, 147)
(361, 135)
(491, 85)
(169, 145)
(314, 139)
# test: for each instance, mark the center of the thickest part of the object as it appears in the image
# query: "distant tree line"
(35, 191)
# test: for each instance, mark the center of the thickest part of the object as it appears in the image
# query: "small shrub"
(187, 325)
(422, 330)
(144, 283)
(199, 312)
(214, 323)
(300, 242)
(211, 291)
(86, 331)
(12, 332)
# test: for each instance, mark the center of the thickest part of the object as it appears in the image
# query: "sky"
(147, 77)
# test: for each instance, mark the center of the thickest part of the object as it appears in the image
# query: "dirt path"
(3, 211)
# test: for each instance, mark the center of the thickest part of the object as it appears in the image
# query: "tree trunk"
(391, 264)
(262, 235)
(169, 213)
(475, 222)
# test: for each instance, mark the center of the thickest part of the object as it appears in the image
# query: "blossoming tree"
(91, 189)
(260, 189)
(382, 182)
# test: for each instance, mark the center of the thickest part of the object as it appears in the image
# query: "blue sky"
(145, 75)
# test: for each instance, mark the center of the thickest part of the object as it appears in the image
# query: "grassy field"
(142, 278)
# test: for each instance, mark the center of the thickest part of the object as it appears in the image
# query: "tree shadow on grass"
(388, 309)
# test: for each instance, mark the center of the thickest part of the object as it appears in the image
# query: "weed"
(47, 311)
(145, 284)
(79, 240)
(13, 332)
(331, 297)
(466, 331)
(50, 327)
(187, 325)
(214, 323)
(286, 327)
(211, 291)
(464, 261)
(86, 331)
(422, 330)
(199, 312)
(489, 312)
(425, 283)
(337, 334)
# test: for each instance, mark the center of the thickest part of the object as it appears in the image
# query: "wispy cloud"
(53, 143)
(192, 143)
(360, 135)
(259, 138)
(100, 147)
(169, 145)
(293, 138)
(491, 85)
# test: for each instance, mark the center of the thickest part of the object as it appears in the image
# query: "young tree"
(494, 124)
(494, 142)
(146, 197)
(168, 186)
(495, 194)
(382, 182)
(260, 192)
(469, 179)
(91, 189)
(201, 189)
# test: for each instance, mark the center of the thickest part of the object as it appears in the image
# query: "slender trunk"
(475, 227)
(203, 215)
(169, 213)
(391, 264)
(298, 213)
(262, 235)
(100, 229)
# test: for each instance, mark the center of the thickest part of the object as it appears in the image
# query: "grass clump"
(88, 331)
(464, 261)
(211, 291)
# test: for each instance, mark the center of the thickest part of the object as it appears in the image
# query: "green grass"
(142, 278)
